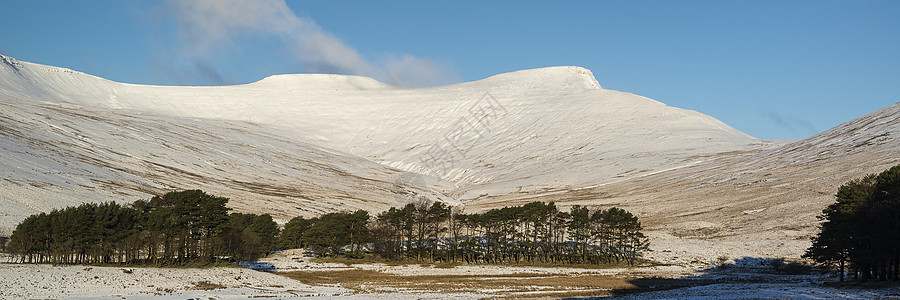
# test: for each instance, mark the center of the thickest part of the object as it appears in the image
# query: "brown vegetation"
(367, 281)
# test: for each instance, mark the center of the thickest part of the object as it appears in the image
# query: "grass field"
(520, 285)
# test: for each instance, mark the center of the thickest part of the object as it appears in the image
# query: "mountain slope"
(517, 132)
(754, 202)
(54, 155)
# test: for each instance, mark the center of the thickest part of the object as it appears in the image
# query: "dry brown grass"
(207, 286)
(518, 285)
(371, 258)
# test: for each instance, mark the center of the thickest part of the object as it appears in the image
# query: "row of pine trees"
(178, 228)
(194, 228)
(434, 232)
(861, 230)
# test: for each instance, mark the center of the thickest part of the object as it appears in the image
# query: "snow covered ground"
(747, 278)
(783, 290)
(756, 278)
(87, 282)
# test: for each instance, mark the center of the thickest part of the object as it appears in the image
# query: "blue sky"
(772, 69)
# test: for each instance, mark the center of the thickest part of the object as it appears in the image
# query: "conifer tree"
(860, 230)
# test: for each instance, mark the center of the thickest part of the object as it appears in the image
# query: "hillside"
(54, 155)
(305, 144)
(761, 202)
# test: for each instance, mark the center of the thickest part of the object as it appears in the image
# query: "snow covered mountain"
(521, 131)
(311, 143)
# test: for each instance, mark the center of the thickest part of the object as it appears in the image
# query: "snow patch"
(753, 211)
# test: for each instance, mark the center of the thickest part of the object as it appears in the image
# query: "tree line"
(860, 232)
(178, 228)
(192, 227)
(435, 232)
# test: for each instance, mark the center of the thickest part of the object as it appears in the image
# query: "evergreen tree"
(861, 228)
(174, 228)
(191, 226)
(293, 231)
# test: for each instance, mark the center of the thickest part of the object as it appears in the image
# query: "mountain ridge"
(397, 126)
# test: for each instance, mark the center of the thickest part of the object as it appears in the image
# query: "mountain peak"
(12, 62)
(561, 77)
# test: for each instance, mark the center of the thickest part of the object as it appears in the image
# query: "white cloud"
(208, 24)
(416, 71)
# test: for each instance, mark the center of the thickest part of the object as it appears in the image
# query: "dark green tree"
(292, 233)
(174, 228)
(861, 228)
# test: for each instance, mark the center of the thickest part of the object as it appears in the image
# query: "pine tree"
(861, 228)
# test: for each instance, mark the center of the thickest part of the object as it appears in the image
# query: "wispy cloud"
(206, 25)
(197, 71)
(792, 124)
